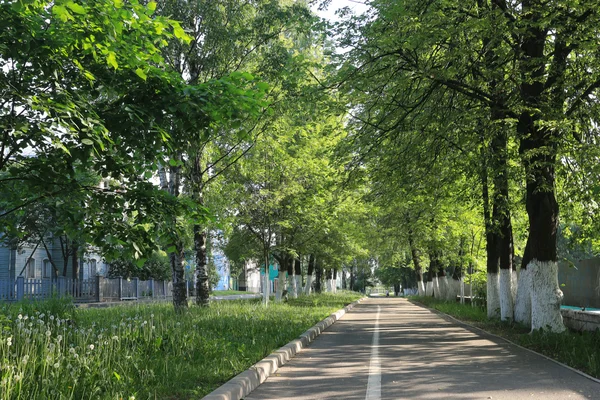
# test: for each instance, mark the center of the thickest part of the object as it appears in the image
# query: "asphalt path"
(389, 348)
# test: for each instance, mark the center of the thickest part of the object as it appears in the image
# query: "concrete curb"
(459, 322)
(241, 385)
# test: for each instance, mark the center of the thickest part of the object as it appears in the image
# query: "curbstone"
(243, 384)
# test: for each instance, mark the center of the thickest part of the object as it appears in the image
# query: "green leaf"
(87, 142)
(179, 32)
(248, 76)
(76, 8)
(62, 13)
(152, 6)
(140, 72)
(111, 59)
(263, 86)
(117, 375)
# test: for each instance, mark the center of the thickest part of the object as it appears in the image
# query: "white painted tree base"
(546, 296)
(523, 298)
(506, 297)
(438, 288)
(493, 295)
(421, 288)
(429, 289)
(328, 286)
(291, 286)
(334, 286)
(280, 286)
(515, 284)
(298, 288)
(308, 287)
(266, 289)
(453, 289)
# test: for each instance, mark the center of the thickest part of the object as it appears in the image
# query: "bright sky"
(357, 6)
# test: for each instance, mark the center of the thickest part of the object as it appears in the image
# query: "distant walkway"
(388, 348)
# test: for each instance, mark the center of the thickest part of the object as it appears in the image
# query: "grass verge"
(51, 350)
(229, 292)
(579, 350)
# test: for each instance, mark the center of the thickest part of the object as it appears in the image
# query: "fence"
(88, 290)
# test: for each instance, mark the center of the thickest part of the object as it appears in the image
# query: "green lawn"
(580, 350)
(229, 292)
(53, 351)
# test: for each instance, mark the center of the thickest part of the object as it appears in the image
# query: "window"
(93, 268)
(47, 269)
(31, 268)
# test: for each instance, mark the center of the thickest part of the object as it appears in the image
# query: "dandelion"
(25, 359)
(52, 318)
(42, 315)
(56, 365)
(115, 338)
(59, 338)
(20, 316)
(48, 333)
(72, 350)
(91, 346)
(26, 317)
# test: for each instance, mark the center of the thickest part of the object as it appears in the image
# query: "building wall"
(6, 259)
(580, 283)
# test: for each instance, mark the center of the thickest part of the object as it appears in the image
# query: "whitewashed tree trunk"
(515, 284)
(328, 285)
(334, 285)
(429, 289)
(493, 295)
(298, 291)
(291, 286)
(453, 289)
(437, 290)
(523, 300)
(506, 296)
(462, 290)
(266, 288)
(546, 296)
(280, 286)
(421, 288)
(308, 287)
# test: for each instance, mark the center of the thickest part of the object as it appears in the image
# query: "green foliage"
(154, 267)
(145, 351)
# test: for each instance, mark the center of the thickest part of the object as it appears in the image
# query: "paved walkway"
(388, 348)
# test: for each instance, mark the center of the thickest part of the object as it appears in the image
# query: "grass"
(229, 292)
(51, 350)
(579, 350)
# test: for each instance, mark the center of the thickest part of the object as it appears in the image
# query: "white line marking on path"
(374, 383)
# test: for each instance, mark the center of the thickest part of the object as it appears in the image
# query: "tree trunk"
(539, 291)
(329, 279)
(334, 281)
(177, 259)
(352, 277)
(417, 263)
(266, 280)
(493, 260)
(297, 278)
(309, 274)
(202, 279)
(291, 281)
(176, 256)
(442, 283)
(200, 236)
(431, 272)
(318, 275)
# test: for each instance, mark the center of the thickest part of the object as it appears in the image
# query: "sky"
(357, 6)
